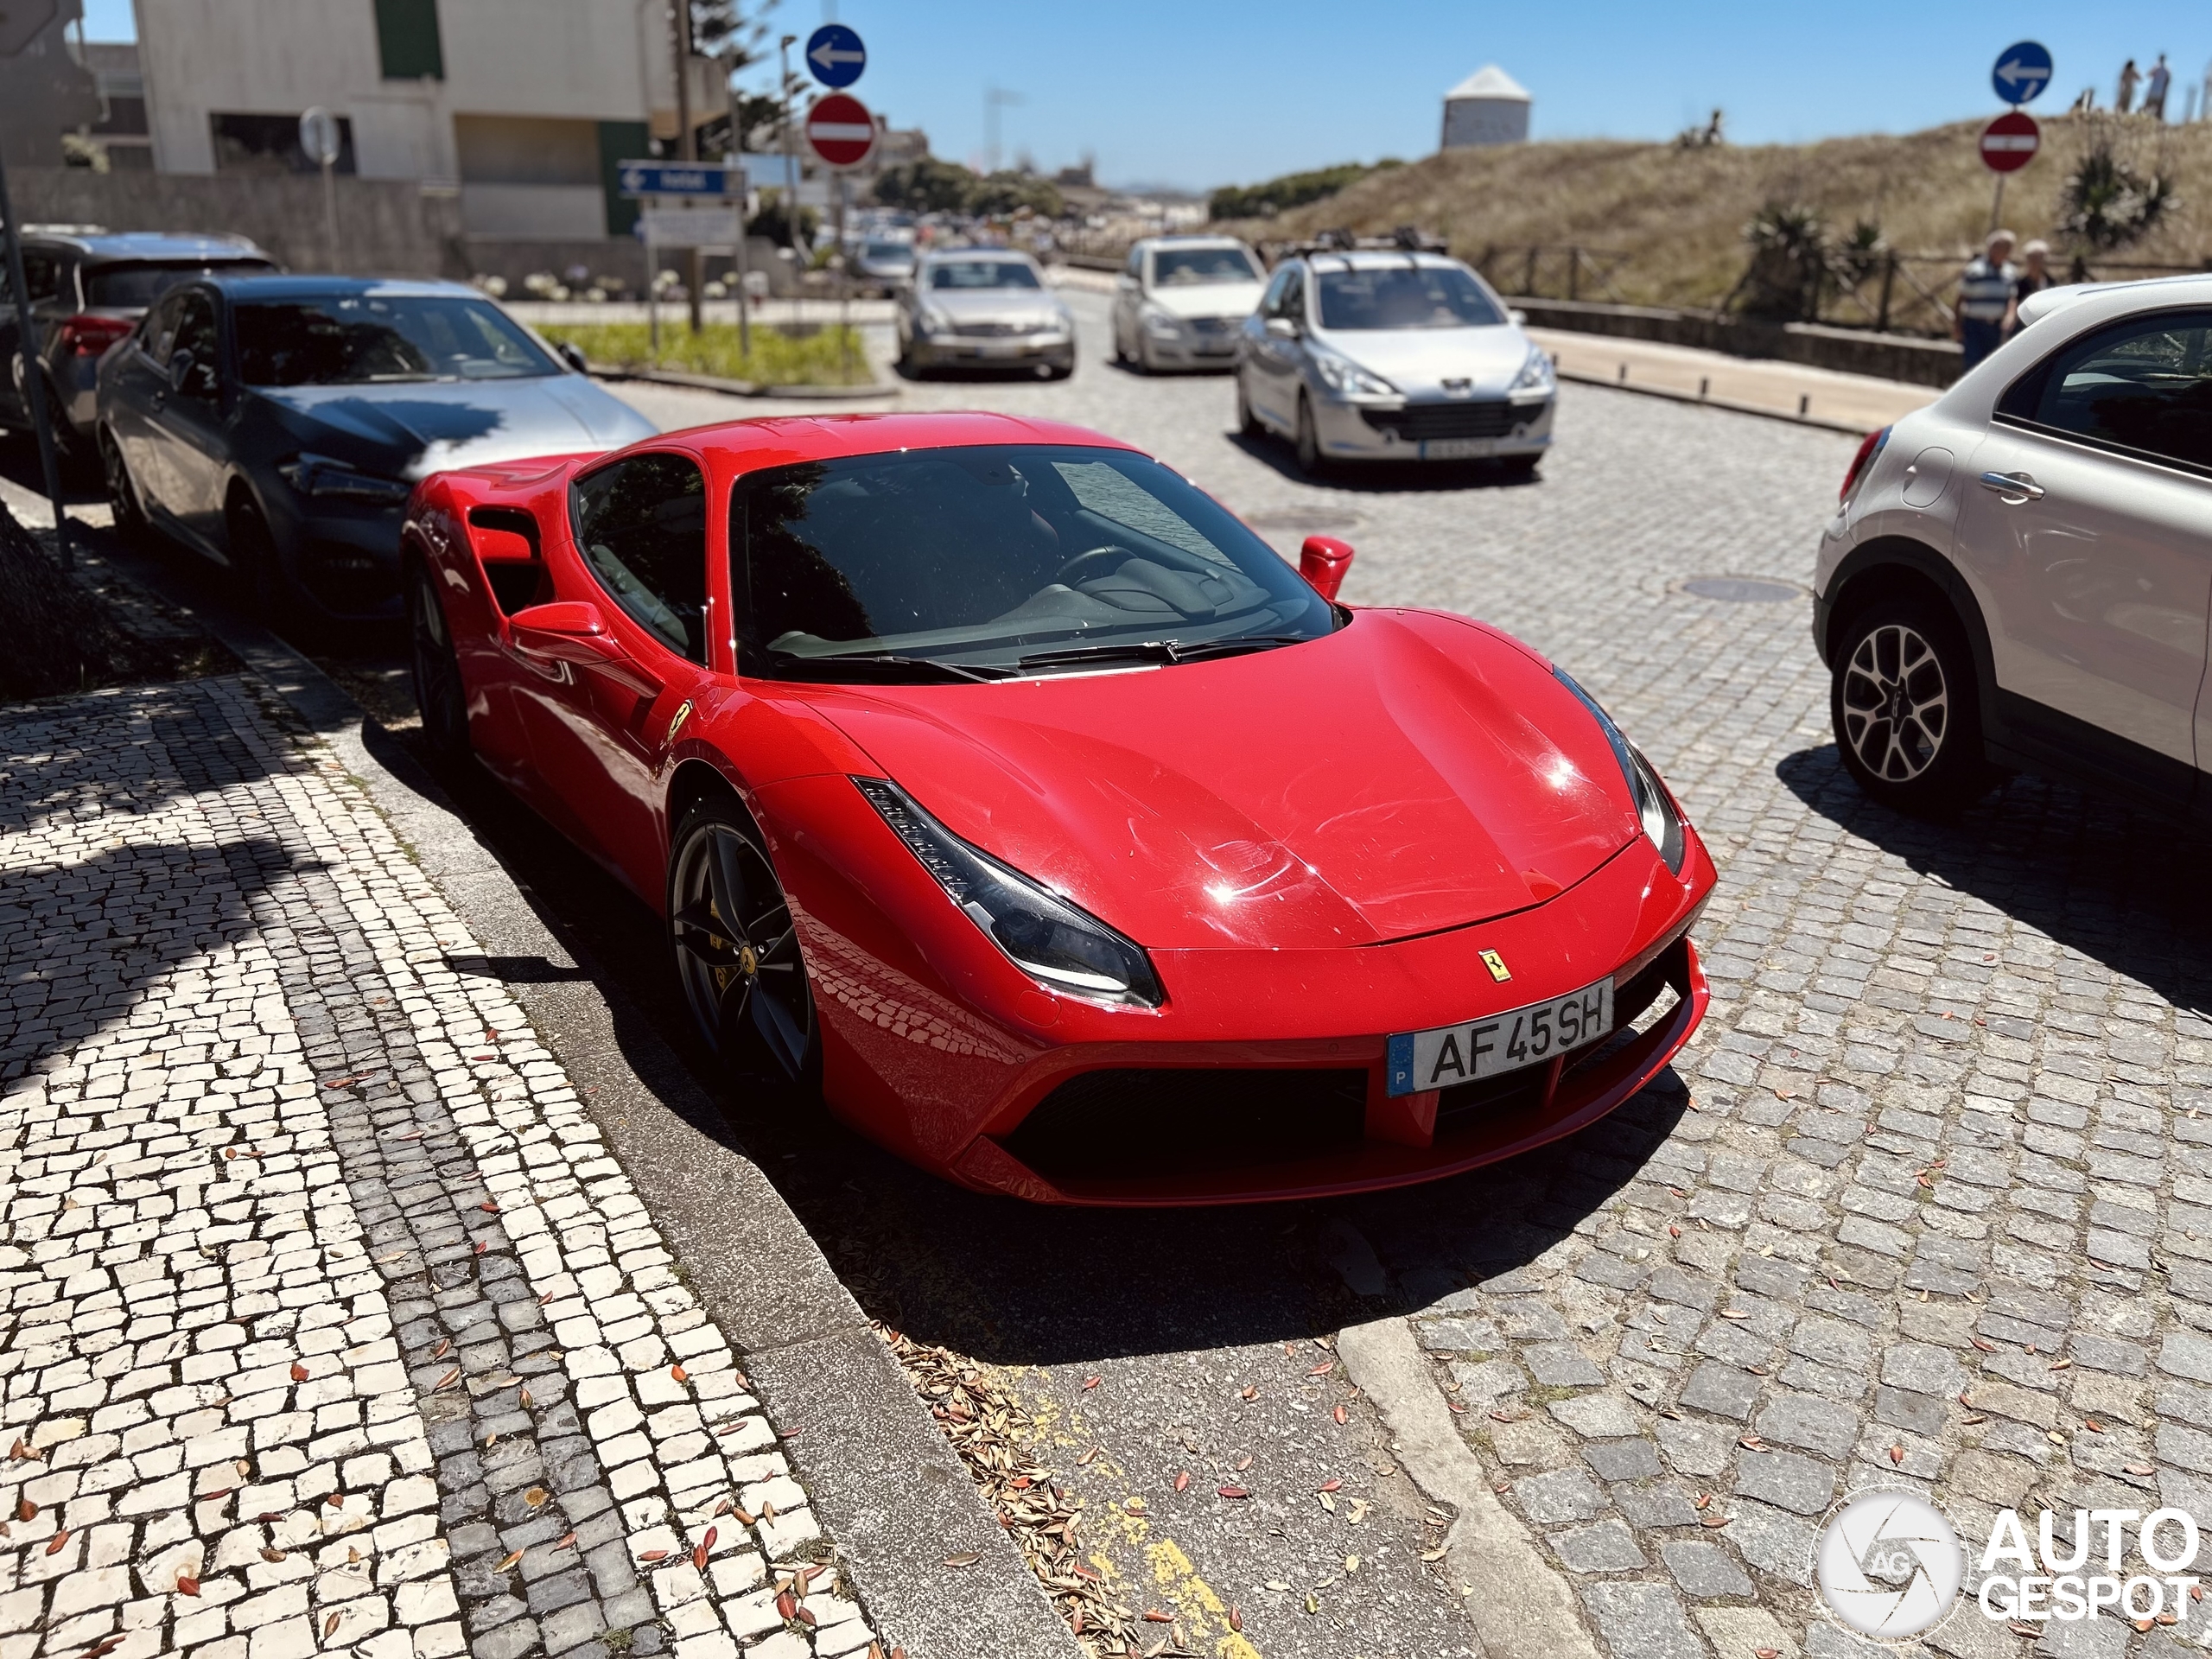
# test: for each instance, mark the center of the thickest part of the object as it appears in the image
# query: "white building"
(1488, 107)
(524, 106)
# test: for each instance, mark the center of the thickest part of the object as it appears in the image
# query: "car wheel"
(736, 950)
(255, 568)
(1904, 706)
(131, 527)
(1310, 461)
(1247, 421)
(440, 692)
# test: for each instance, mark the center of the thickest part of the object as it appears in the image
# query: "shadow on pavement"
(2124, 888)
(1386, 477)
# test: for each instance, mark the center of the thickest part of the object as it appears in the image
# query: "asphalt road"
(1139, 1333)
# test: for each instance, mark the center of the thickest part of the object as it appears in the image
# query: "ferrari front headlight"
(1062, 948)
(1654, 807)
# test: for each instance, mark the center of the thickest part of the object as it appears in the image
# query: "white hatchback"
(2020, 575)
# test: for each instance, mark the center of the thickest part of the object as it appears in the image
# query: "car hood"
(995, 304)
(1209, 299)
(1419, 360)
(1410, 772)
(411, 430)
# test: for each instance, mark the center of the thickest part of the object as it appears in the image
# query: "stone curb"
(888, 1489)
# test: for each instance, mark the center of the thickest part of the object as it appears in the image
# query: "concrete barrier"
(1847, 351)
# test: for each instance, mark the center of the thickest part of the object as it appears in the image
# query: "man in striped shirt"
(1984, 294)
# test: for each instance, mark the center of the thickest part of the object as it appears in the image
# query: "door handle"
(2014, 487)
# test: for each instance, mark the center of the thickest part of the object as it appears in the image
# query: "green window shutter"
(619, 142)
(407, 40)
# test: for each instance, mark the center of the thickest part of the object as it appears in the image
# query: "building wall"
(44, 93)
(1472, 122)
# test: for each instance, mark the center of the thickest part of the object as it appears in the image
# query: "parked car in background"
(88, 288)
(882, 260)
(2019, 574)
(1180, 300)
(1375, 355)
(983, 308)
(277, 423)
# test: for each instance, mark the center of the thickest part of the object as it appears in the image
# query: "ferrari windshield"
(357, 338)
(985, 561)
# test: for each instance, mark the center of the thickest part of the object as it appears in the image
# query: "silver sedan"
(1392, 356)
(983, 308)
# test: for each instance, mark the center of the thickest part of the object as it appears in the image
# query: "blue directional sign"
(836, 56)
(681, 179)
(2022, 72)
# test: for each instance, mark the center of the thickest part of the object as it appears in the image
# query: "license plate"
(1499, 1042)
(1458, 449)
(1005, 348)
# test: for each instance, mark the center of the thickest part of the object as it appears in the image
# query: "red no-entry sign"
(2009, 142)
(840, 129)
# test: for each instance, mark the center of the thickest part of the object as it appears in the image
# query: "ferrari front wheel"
(736, 950)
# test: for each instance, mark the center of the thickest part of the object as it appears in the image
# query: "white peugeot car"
(2019, 575)
(1180, 300)
(1375, 355)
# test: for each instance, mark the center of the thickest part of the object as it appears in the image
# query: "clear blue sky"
(1201, 93)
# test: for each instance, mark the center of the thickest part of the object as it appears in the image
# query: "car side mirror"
(572, 355)
(1282, 328)
(180, 366)
(566, 629)
(1323, 562)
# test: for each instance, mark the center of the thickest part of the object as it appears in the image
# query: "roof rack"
(1406, 238)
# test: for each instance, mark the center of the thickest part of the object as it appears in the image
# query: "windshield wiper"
(1155, 651)
(898, 664)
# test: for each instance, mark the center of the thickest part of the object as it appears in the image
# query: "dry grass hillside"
(1678, 214)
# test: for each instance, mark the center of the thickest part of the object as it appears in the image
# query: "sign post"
(666, 186)
(2009, 142)
(19, 24)
(318, 139)
(843, 133)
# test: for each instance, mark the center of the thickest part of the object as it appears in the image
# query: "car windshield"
(974, 562)
(1405, 296)
(887, 253)
(343, 339)
(135, 286)
(1183, 267)
(983, 273)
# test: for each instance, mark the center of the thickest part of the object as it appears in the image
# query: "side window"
(1293, 296)
(158, 334)
(1271, 301)
(1135, 266)
(2144, 385)
(641, 527)
(43, 275)
(195, 332)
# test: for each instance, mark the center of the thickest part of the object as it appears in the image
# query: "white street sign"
(690, 227)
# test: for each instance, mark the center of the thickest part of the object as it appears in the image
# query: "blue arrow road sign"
(836, 56)
(2022, 72)
(681, 179)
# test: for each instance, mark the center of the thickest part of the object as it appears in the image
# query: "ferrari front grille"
(1167, 1121)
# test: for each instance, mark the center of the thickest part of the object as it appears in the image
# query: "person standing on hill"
(2035, 276)
(2128, 76)
(2154, 90)
(1985, 300)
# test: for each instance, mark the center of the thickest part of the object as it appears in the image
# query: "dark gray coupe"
(277, 423)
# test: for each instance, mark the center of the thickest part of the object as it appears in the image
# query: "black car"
(88, 290)
(279, 423)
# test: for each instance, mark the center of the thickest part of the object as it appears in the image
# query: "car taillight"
(1869, 446)
(90, 336)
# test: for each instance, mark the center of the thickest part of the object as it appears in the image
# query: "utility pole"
(994, 98)
(687, 145)
(790, 177)
(744, 192)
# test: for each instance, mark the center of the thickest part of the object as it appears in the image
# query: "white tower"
(1488, 107)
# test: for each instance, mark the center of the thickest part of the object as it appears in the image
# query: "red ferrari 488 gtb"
(998, 782)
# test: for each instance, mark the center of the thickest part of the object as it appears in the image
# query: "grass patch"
(828, 357)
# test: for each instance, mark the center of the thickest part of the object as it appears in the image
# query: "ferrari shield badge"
(1496, 963)
(684, 714)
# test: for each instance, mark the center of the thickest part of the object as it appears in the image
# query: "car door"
(1274, 351)
(187, 425)
(1129, 294)
(599, 721)
(137, 387)
(2087, 524)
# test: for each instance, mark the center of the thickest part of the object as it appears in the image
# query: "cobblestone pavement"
(326, 1320)
(1928, 1202)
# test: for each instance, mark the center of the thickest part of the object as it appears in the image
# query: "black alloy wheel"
(1903, 705)
(440, 692)
(1310, 461)
(130, 516)
(736, 949)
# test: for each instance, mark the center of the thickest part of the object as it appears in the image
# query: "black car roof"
(295, 285)
(139, 246)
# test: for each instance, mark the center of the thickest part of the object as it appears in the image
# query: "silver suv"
(1375, 355)
(2019, 575)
